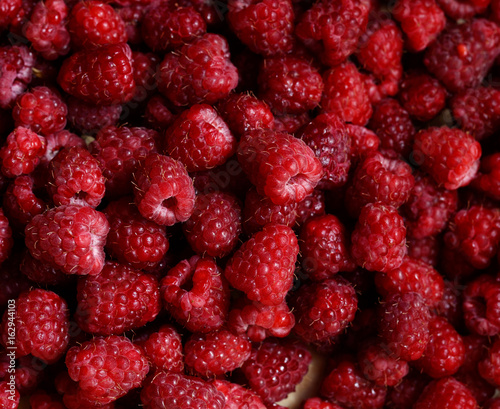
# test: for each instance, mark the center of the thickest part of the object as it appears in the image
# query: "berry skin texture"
(446, 393)
(6, 241)
(70, 238)
(163, 190)
(117, 300)
(450, 156)
(488, 177)
(238, 397)
(488, 367)
(106, 368)
(280, 166)
(41, 325)
(481, 306)
(379, 238)
(463, 9)
(16, 73)
(263, 266)
(102, 77)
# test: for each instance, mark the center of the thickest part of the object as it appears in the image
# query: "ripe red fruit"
(446, 393)
(16, 63)
(238, 397)
(481, 305)
(6, 241)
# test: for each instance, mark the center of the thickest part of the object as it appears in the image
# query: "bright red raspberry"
(168, 390)
(158, 113)
(281, 166)
(426, 249)
(311, 206)
(21, 152)
(238, 397)
(94, 24)
(363, 142)
(163, 190)
(345, 385)
(41, 325)
(102, 77)
(463, 53)
(458, 9)
(265, 26)
(421, 21)
(107, 368)
(345, 94)
(450, 156)
(16, 63)
(70, 238)
(88, 119)
(119, 151)
(323, 309)
(6, 241)
(446, 393)
(263, 266)
(9, 398)
(489, 366)
(200, 71)
(275, 368)
(8, 11)
(196, 294)
(488, 177)
(481, 305)
(40, 272)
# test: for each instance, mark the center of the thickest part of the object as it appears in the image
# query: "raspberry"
(145, 65)
(317, 403)
(238, 397)
(88, 119)
(363, 142)
(450, 156)
(70, 238)
(196, 294)
(450, 305)
(200, 139)
(274, 369)
(405, 394)
(345, 94)
(481, 305)
(106, 368)
(263, 266)
(16, 63)
(421, 20)
(488, 367)
(158, 114)
(119, 151)
(41, 325)
(169, 390)
(291, 123)
(163, 190)
(265, 26)
(21, 152)
(458, 9)
(6, 241)
(446, 393)
(488, 177)
(311, 206)
(9, 398)
(463, 54)
(58, 141)
(199, 71)
(323, 309)
(403, 324)
(426, 249)
(41, 273)
(102, 77)
(8, 10)
(94, 24)
(281, 167)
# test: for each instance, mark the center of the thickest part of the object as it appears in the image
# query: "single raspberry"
(275, 368)
(6, 241)
(16, 63)
(317, 403)
(196, 294)
(281, 166)
(88, 119)
(446, 393)
(392, 124)
(363, 142)
(238, 397)
(21, 152)
(450, 156)
(9, 397)
(458, 9)
(158, 113)
(167, 27)
(463, 53)
(323, 309)
(263, 266)
(41, 320)
(311, 206)
(41, 273)
(481, 305)
(200, 71)
(102, 77)
(119, 151)
(169, 390)
(70, 238)
(489, 366)
(421, 21)
(94, 24)
(265, 26)
(8, 10)
(106, 368)
(345, 94)
(345, 385)
(488, 177)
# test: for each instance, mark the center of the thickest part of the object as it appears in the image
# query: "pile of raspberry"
(250, 204)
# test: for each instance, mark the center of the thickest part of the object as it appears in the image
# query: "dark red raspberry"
(291, 123)
(403, 324)
(8, 10)
(263, 266)
(6, 241)
(421, 21)
(56, 142)
(446, 393)
(281, 166)
(311, 206)
(106, 368)
(265, 26)
(41, 273)
(345, 94)
(346, 386)
(119, 151)
(406, 393)
(21, 152)
(275, 368)
(481, 305)
(488, 177)
(88, 119)
(238, 397)
(323, 309)
(450, 306)
(163, 190)
(196, 294)
(363, 142)
(158, 114)
(41, 321)
(489, 366)
(133, 15)
(9, 398)
(167, 390)
(102, 77)
(145, 65)
(42, 400)
(13, 282)
(458, 9)
(450, 156)
(317, 403)
(426, 249)
(492, 404)
(16, 63)
(200, 71)
(463, 53)
(70, 238)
